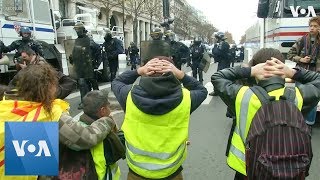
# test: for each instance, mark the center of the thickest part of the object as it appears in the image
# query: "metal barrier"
(122, 63)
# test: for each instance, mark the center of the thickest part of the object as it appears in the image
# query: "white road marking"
(209, 88)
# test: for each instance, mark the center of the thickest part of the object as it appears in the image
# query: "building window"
(63, 8)
(78, 10)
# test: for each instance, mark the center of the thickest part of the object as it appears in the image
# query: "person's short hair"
(94, 100)
(28, 51)
(315, 19)
(265, 54)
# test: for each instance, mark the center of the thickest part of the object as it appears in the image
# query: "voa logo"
(296, 11)
(41, 148)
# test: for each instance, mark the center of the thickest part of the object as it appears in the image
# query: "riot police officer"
(133, 51)
(180, 53)
(221, 54)
(112, 47)
(24, 43)
(233, 51)
(85, 58)
(221, 51)
(197, 50)
(156, 34)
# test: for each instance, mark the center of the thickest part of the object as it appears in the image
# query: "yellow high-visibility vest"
(25, 111)
(156, 144)
(247, 104)
(97, 153)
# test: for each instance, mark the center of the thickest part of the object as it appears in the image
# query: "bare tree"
(134, 8)
(108, 5)
(243, 39)
(229, 37)
(153, 9)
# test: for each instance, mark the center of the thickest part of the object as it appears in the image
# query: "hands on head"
(270, 68)
(159, 67)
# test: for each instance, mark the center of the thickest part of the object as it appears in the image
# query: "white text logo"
(20, 148)
(307, 12)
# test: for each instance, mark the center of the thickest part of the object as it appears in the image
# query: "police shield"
(153, 48)
(205, 62)
(68, 46)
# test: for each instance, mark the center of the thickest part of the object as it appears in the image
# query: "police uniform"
(197, 51)
(112, 47)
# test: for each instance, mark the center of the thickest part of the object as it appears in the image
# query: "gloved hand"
(189, 64)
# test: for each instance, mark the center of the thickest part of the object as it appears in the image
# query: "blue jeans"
(311, 117)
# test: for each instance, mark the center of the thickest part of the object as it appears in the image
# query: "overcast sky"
(234, 16)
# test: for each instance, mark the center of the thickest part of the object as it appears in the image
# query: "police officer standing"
(233, 51)
(112, 47)
(221, 54)
(197, 50)
(25, 43)
(85, 58)
(133, 52)
(180, 53)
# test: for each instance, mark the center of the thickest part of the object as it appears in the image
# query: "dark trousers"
(196, 70)
(239, 176)
(133, 61)
(114, 65)
(85, 85)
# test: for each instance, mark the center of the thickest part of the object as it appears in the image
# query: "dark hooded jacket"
(224, 82)
(157, 95)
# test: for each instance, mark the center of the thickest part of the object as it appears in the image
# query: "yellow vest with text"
(25, 111)
(247, 104)
(156, 144)
(97, 153)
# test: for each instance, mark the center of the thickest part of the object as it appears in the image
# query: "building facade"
(69, 8)
(150, 16)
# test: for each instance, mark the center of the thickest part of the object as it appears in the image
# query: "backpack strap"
(262, 94)
(289, 94)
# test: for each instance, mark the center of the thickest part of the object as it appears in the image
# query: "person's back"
(244, 101)
(157, 113)
(93, 163)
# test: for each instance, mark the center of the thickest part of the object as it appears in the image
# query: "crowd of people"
(158, 98)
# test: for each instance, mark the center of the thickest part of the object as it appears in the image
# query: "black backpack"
(278, 145)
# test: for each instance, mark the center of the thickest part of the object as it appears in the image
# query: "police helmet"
(169, 35)
(25, 30)
(79, 26)
(156, 33)
(220, 35)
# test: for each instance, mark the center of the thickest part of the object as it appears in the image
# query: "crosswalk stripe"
(209, 88)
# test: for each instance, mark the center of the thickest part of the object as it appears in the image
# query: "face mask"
(26, 37)
(80, 33)
(108, 37)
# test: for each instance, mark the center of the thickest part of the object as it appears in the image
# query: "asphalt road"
(208, 134)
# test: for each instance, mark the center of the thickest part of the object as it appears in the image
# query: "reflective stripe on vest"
(99, 160)
(162, 156)
(247, 104)
(156, 144)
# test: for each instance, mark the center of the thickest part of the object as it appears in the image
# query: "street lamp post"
(166, 15)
